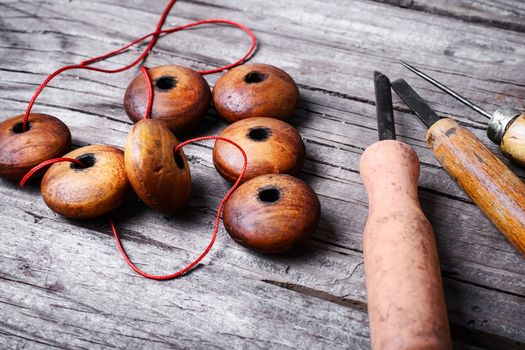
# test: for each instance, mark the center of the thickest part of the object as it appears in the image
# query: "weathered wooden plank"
(52, 295)
(335, 119)
(500, 13)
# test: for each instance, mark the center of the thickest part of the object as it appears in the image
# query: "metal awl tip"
(446, 89)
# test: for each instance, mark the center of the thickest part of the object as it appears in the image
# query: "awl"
(495, 189)
(506, 125)
(406, 305)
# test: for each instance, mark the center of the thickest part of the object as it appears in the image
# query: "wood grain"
(271, 145)
(255, 90)
(512, 143)
(496, 190)
(331, 50)
(272, 213)
(20, 151)
(181, 97)
(160, 178)
(90, 191)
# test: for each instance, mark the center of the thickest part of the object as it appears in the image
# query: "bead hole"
(259, 134)
(87, 159)
(255, 77)
(269, 195)
(178, 159)
(18, 128)
(165, 83)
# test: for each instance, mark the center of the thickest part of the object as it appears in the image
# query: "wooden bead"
(272, 213)
(271, 145)
(181, 97)
(46, 138)
(255, 90)
(159, 177)
(95, 190)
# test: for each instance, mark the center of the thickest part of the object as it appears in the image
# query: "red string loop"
(113, 227)
(46, 163)
(156, 34)
(217, 217)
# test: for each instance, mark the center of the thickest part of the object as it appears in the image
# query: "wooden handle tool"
(506, 125)
(495, 189)
(406, 305)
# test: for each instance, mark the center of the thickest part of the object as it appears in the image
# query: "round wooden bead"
(255, 90)
(46, 138)
(90, 191)
(272, 213)
(181, 97)
(271, 145)
(159, 177)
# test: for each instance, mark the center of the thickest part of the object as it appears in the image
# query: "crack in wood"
(319, 294)
(412, 5)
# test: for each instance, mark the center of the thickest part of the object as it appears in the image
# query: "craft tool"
(495, 189)
(406, 305)
(506, 126)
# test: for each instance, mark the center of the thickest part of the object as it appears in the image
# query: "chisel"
(495, 189)
(406, 305)
(506, 126)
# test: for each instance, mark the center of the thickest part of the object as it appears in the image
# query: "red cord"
(46, 163)
(156, 34)
(113, 228)
(144, 71)
(217, 218)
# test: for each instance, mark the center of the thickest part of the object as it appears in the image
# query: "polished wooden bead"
(255, 90)
(86, 192)
(159, 177)
(271, 145)
(46, 138)
(272, 213)
(181, 97)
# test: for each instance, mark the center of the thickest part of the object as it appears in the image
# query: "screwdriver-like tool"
(406, 305)
(495, 189)
(506, 125)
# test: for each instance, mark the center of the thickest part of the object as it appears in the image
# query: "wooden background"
(62, 282)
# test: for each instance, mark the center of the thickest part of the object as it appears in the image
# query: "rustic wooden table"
(63, 283)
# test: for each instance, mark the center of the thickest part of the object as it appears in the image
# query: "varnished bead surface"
(255, 90)
(95, 190)
(159, 177)
(272, 213)
(271, 145)
(46, 138)
(181, 97)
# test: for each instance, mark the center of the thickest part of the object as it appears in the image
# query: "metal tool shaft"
(415, 102)
(447, 90)
(385, 112)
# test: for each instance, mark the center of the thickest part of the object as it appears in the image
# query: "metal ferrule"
(499, 123)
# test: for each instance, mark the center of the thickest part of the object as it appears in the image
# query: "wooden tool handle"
(406, 306)
(513, 141)
(495, 189)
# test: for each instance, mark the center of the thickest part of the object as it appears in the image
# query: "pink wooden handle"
(406, 305)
